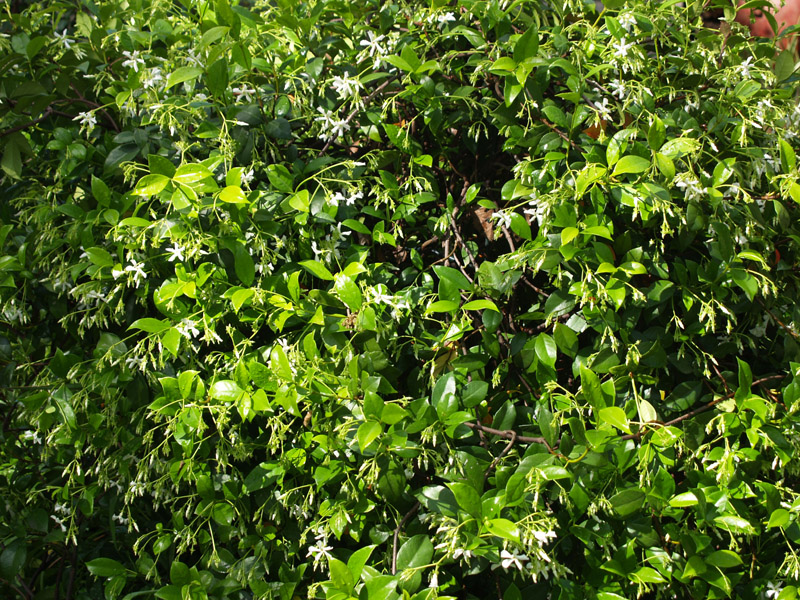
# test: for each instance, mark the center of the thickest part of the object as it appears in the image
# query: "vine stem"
(397, 530)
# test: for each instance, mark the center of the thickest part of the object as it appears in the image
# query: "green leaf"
(778, 518)
(243, 264)
(627, 502)
(105, 567)
(187, 174)
(527, 45)
(545, 347)
(348, 291)
(724, 559)
(480, 305)
(474, 393)
(367, 433)
(631, 164)
(100, 257)
(467, 498)
(442, 306)
(613, 415)
(12, 559)
(317, 269)
(415, 552)
(341, 576)
(357, 561)
(233, 194)
(503, 528)
(100, 191)
(150, 325)
(226, 390)
(181, 75)
(11, 162)
(656, 134)
(280, 178)
(150, 185)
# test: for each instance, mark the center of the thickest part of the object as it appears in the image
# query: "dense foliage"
(332, 299)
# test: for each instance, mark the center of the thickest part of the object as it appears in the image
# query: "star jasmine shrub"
(397, 300)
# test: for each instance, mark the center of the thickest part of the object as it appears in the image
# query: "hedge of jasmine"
(381, 300)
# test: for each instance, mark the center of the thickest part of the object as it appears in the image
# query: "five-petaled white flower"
(175, 253)
(138, 271)
(621, 48)
(87, 119)
(447, 17)
(320, 551)
(244, 93)
(133, 60)
(373, 44)
(247, 178)
(346, 86)
(64, 40)
(507, 559)
(773, 590)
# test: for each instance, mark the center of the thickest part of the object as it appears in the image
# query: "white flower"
(773, 589)
(337, 198)
(346, 86)
(621, 48)
(244, 93)
(188, 328)
(603, 109)
(618, 88)
(544, 536)
(446, 18)
(247, 178)
(133, 60)
(373, 44)
(503, 218)
(80, 54)
(153, 78)
(507, 559)
(120, 519)
(352, 198)
(63, 39)
(87, 119)
(332, 127)
(138, 271)
(434, 580)
(744, 67)
(176, 252)
(319, 551)
(627, 21)
(59, 522)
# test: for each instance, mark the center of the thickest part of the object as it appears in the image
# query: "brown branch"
(497, 459)
(508, 434)
(48, 111)
(700, 409)
(397, 530)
